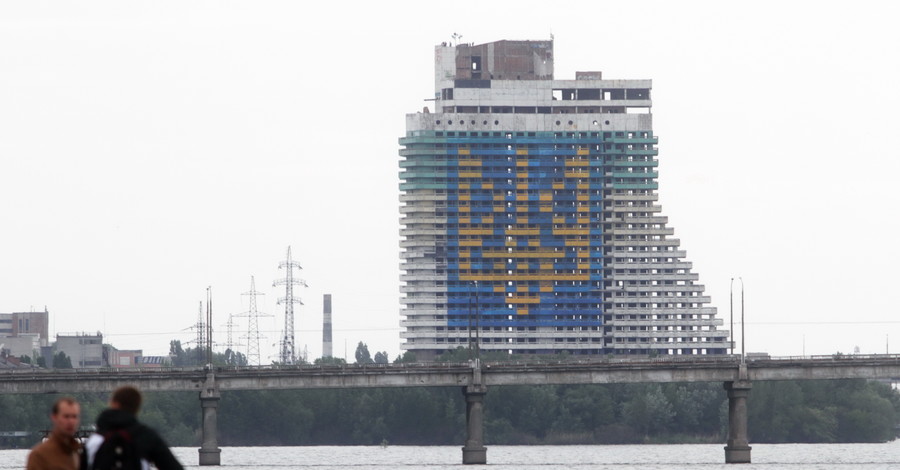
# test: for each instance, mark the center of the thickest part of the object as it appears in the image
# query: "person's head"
(126, 398)
(66, 416)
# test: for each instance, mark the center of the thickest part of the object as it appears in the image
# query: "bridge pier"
(737, 448)
(210, 454)
(474, 451)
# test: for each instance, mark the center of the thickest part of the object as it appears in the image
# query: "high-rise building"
(529, 215)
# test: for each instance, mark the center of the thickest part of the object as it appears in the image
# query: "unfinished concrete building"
(530, 217)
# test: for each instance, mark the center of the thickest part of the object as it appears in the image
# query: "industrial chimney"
(326, 327)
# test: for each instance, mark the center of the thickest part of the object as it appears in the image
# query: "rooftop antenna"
(288, 352)
(253, 324)
(456, 37)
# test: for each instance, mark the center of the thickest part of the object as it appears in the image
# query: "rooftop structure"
(529, 215)
(19, 324)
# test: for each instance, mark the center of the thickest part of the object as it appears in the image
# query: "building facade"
(24, 333)
(123, 358)
(84, 349)
(18, 346)
(18, 324)
(529, 216)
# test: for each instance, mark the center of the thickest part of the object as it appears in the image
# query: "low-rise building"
(85, 350)
(18, 346)
(122, 358)
(23, 332)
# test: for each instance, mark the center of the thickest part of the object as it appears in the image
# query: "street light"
(731, 316)
(476, 348)
(469, 324)
(731, 320)
(743, 331)
(477, 326)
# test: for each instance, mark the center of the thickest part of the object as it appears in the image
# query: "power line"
(871, 322)
(182, 332)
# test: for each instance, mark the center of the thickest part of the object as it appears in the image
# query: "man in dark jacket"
(122, 416)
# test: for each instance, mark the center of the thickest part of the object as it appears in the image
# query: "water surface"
(620, 457)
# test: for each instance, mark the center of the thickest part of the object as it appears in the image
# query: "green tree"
(61, 361)
(234, 358)
(176, 352)
(381, 358)
(362, 354)
(26, 359)
(406, 358)
(330, 360)
(696, 406)
(585, 408)
(648, 411)
(866, 417)
(460, 354)
(463, 354)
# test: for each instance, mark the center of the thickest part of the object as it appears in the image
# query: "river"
(619, 457)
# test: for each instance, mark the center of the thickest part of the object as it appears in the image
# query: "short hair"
(66, 400)
(128, 398)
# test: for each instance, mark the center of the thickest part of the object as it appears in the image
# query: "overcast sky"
(151, 149)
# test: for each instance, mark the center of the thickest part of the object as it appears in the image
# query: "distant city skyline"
(151, 150)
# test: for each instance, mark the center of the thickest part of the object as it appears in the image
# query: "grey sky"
(148, 150)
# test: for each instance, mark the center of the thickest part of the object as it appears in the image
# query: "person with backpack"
(121, 442)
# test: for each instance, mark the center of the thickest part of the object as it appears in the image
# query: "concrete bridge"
(474, 378)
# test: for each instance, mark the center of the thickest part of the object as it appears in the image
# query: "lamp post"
(743, 331)
(470, 327)
(477, 326)
(476, 349)
(731, 316)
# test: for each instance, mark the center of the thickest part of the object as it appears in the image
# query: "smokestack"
(326, 327)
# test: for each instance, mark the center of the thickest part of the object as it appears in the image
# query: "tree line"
(789, 411)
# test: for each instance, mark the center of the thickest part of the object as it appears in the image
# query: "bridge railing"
(825, 358)
(437, 366)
